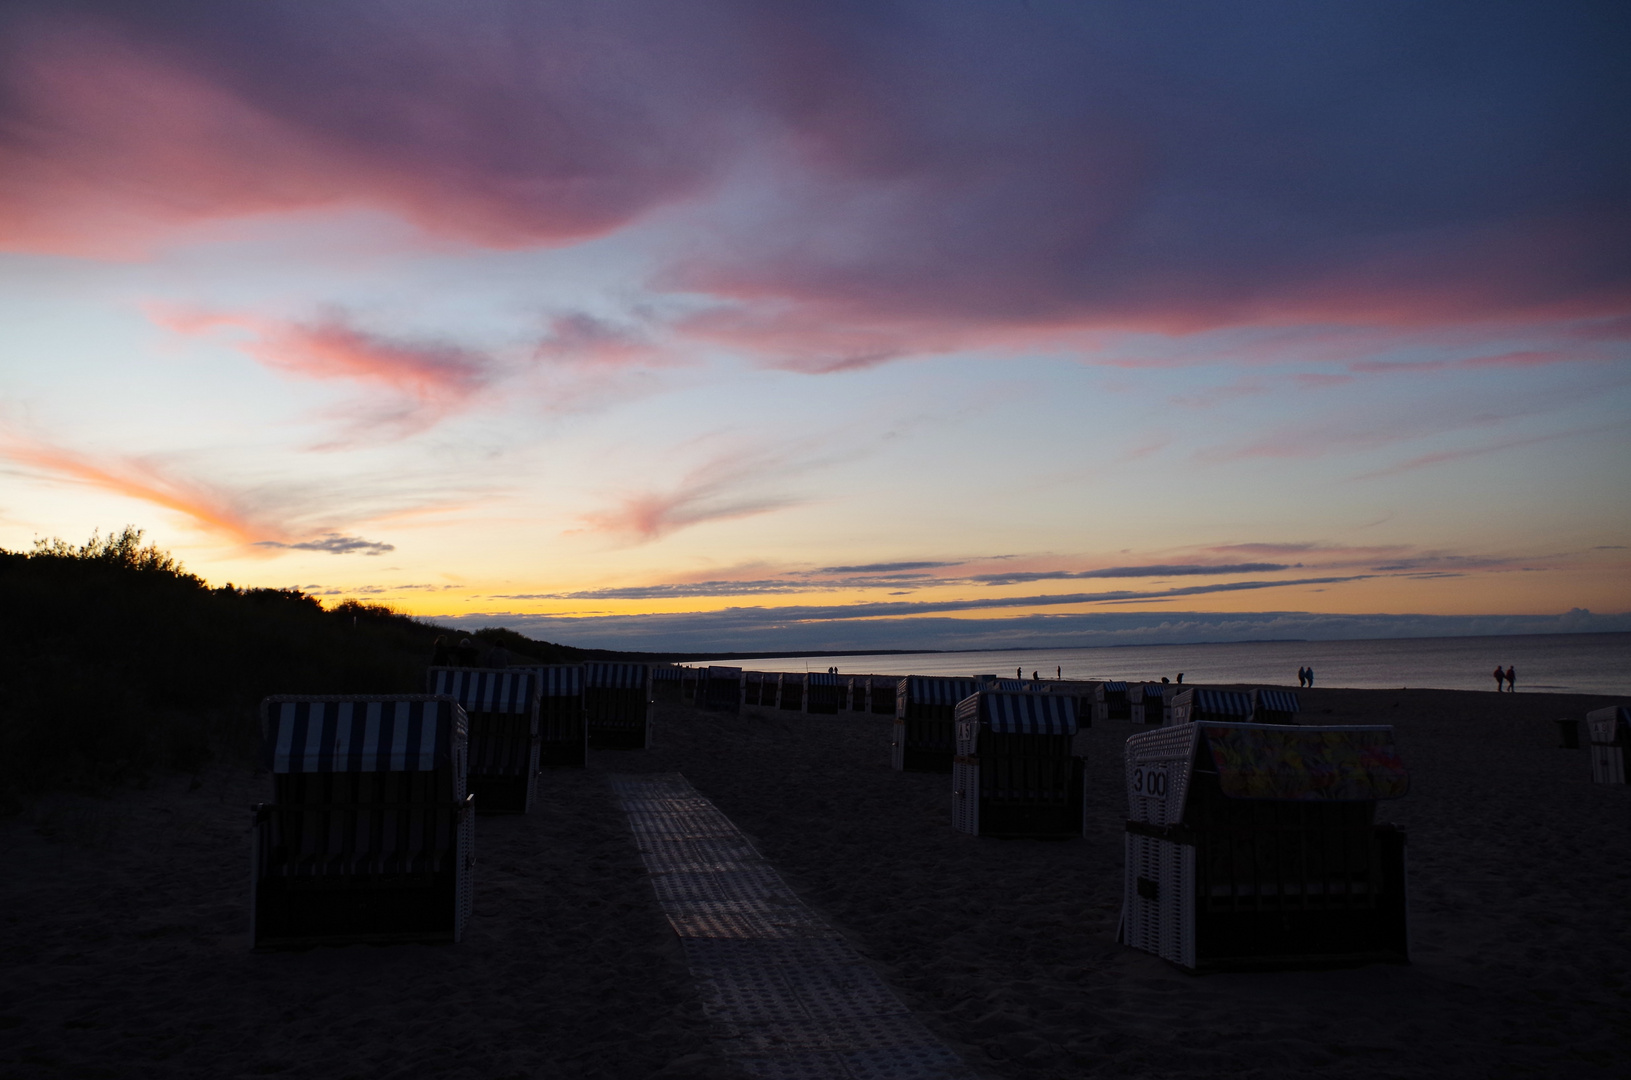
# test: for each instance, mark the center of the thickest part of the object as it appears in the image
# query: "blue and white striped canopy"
(1277, 701)
(821, 678)
(558, 680)
(608, 676)
(486, 690)
(724, 674)
(1114, 687)
(933, 690)
(390, 733)
(1022, 714)
(1154, 690)
(1223, 703)
(1012, 686)
(666, 673)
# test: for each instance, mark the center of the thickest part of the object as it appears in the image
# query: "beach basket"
(823, 693)
(667, 683)
(1610, 731)
(1150, 704)
(752, 682)
(1275, 706)
(790, 691)
(1110, 701)
(370, 834)
(1251, 845)
(719, 689)
(1014, 773)
(925, 736)
(501, 706)
(562, 725)
(882, 692)
(1207, 706)
(617, 705)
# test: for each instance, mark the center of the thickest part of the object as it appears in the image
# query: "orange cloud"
(136, 479)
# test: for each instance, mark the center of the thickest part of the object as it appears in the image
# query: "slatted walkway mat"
(789, 999)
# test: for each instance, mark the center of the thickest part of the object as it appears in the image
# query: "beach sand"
(124, 945)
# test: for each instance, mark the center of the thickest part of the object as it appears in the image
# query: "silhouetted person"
(467, 654)
(1165, 680)
(440, 655)
(1035, 677)
(1180, 678)
(1500, 679)
(1019, 673)
(1302, 677)
(1511, 679)
(1059, 672)
(1311, 676)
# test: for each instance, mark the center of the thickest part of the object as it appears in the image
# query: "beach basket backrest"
(1192, 705)
(559, 680)
(603, 675)
(1273, 761)
(1158, 766)
(486, 690)
(667, 673)
(1610, 726)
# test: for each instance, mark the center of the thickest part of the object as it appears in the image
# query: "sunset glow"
(818, 326)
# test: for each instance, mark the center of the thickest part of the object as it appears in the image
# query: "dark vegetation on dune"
(118, 662)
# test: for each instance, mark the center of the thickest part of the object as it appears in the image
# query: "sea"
(1550, 663)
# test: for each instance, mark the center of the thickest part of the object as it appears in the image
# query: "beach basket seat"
(1198, 706)
(925, 732)
(790, 691)
(370, 834)
(667, 683)
(1610, 733)
(1014, 773)
(563, 726)
(1275, 706)
(617, 705)
(719, 689)
(1110, 701)
(1255, 845)
(823, 693)
(1150, 703)
(501, 705)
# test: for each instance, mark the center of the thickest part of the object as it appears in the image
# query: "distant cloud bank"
(759, 629)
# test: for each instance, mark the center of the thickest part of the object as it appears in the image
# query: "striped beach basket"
(1110, 701)
(1014, 773)
(667, 683)
(924, 737)
(501, 705)
(719, 689)
(1252, 845)
(1206, 706)
(1150, 703)
(370, 834)
(1275, 706)
(563, 727)
(1610, 733)
(617, 705)
(823, 693)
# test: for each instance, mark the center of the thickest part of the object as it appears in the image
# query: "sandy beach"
(124, 942)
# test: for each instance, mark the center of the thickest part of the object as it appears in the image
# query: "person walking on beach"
(1311, 676)
(1059, 672)
(1511, 679)
(1180, 678)
(1019, 673)
(1500, 679)
(1302, 677)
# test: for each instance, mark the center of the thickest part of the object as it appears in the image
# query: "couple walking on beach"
(1305, 676)
(1510, 676)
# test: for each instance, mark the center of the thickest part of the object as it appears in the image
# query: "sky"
(831, 325)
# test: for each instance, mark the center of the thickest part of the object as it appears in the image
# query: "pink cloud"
(438, 377)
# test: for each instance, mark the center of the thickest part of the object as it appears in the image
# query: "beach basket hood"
(1019, 713)
(388, 733)
(558, 680)
(609, 676)
(938, 690)
(487, 690)
(1281, 701)
(821, 678)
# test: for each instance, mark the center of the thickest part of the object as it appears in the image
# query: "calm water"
(1571, 663)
